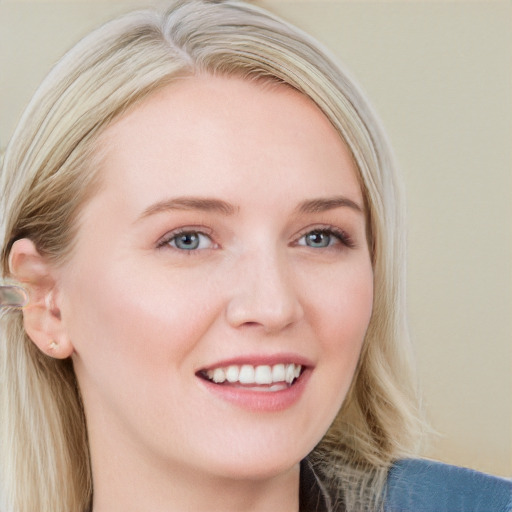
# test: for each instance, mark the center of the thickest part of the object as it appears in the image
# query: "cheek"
(341, 317)
(135, 320)
(339, 308)
(342, 308)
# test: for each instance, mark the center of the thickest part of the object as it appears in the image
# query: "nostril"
(250, 324)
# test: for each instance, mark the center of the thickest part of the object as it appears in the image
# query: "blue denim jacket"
(416, 485)
(426, 486)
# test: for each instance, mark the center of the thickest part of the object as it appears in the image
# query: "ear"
(41, 317)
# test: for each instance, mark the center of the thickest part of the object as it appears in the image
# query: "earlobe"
(41, 317)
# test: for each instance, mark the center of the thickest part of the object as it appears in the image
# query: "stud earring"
(52, 346)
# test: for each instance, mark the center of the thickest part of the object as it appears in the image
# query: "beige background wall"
(440, 75)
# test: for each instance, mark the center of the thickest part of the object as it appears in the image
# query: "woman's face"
(224, 255)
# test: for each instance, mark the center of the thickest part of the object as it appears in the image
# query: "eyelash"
(168, 238)
(342, 236)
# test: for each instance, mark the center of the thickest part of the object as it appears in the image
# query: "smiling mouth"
(258, 378)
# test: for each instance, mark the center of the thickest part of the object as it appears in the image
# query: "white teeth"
(278, 373)
(232, 373)
(263, 375)
(290, 373)
(246, 375)
(259, 375)
(218, 375)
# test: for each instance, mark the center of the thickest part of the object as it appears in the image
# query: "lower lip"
(261, 401)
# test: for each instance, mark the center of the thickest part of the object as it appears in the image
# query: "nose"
(264, 294)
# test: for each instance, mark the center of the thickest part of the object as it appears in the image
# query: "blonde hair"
(49, 172)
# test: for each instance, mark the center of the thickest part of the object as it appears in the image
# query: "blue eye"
(318, 239)
(322, 238)
(190, 241)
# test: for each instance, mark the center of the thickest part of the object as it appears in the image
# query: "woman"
(205, 216)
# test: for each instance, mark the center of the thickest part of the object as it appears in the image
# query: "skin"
(141, 316)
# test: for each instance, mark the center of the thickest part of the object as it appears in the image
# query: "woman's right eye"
(188, 241)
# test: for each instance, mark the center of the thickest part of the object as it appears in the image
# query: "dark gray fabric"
(313, 497)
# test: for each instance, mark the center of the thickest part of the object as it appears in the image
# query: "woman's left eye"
(188, 241)
(321, 238)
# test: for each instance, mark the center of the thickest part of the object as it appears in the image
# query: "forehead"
(206, 131)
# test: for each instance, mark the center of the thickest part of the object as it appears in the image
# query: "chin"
(255, 463)
(266, 469)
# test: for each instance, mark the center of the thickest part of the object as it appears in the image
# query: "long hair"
(50, 170)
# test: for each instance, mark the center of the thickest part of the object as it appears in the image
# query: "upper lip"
(260, 360)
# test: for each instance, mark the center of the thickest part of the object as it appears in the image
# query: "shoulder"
(426, 486)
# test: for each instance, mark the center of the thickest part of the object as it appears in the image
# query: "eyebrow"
(190, 203)
(329, 203)
(217, 205)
